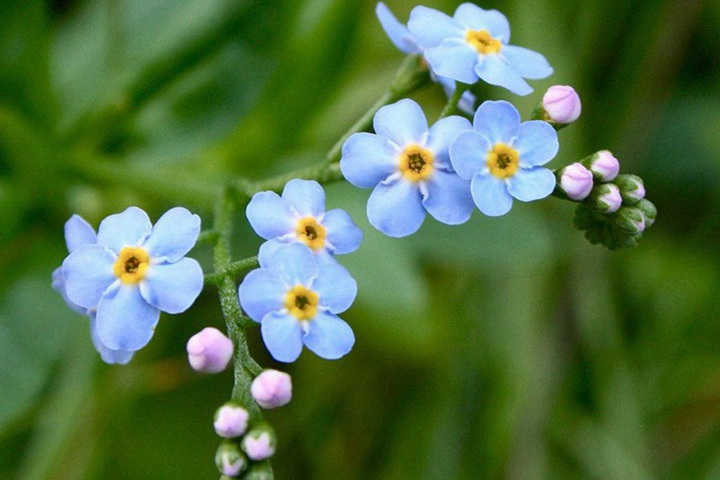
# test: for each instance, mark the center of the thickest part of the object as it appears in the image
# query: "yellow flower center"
(482, 41)
(416, 163)
(131, 265)
(311, 232)
(301, 302)
(502, 160)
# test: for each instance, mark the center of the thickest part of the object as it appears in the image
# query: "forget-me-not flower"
(78, 233)
(409, 167)
(299, 216)
(472, 45)
(297, 301)
(406, 42)
(502, 158)
(133, 271)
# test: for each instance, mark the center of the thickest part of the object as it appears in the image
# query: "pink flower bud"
(272, 389)
(576, 181)
(605, 166)
(230, 460)
(209, 351)
(230, 420)
(259, 444)
(607, 198)
(562, 104)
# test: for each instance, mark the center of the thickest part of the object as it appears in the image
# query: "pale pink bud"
(209, 351)
(272, 389)
(259, 444)
(231, 420)
(605, 166)
(230, 460)
(607, 198)
(562, 104)
(576, 181)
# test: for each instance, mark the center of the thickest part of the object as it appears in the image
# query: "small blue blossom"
(409, 167)
(78, 233)
(472, 45)
(297, 301)
(406, 42)
(502, 158)
(300, 216)
(132, 272)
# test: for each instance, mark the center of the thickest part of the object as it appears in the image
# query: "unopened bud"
(562, 104)
(649, 211)
(230, 420)
(631, 220)
(605, 198)
(576, 181)
(631, 187)
(272, 389)
(259, 443)
(230, 461)
(604, 165)
(209, 351)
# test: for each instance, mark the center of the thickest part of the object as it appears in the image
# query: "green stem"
(452, 103)
(232, 269)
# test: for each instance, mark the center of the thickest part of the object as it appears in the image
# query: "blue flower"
(502, 158)
(296, 300)
(132, 272)
(472, 45)
(409, 167)
(300, 216)
(78, 233)
(406, 42)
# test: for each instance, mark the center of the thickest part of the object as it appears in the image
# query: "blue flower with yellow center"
(502, 158)
(133, 271)
(409, 167)
(472, 45)
(299, 216)
(78, 233)
(297, 301)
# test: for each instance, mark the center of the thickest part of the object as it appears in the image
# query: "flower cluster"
(299, 289)
(614, 210)
(126, 274)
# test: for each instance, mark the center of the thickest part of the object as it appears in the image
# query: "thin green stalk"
(452, 103)
(232, 269)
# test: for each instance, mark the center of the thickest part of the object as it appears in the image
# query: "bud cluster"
(249, 441)
(613, 209)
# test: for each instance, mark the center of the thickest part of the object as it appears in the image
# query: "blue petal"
(498, 121)
(474, 17)
(431, 27)
(120, 357)
(88, 273)
(449, 200)
(402, 122)
(495, 70)
(468, 154)
(282, 334)
(467, 100)
(270, 216)
(453, 59)
(368, 159)
(443, 133)
(329, 336)
(395, 208)
(537, 143)
(531, 184)
(490, 195)
(526, 63)
(129, 228)
(294, 263)
(173, 287)
(261, 292)
(342, 232)
(78, 232)
(269, 248)
(335, 287)
(174, 234)
(398, 33)
(125, 321)
(307, 197)
(58, 284)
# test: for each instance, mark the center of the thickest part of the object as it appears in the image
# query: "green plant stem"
(452, 103)
(233, 269)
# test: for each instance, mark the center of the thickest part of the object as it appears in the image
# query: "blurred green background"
(504, 348)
